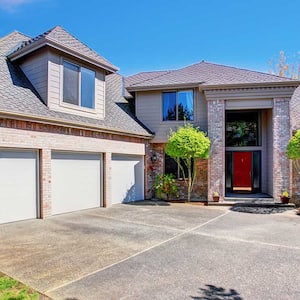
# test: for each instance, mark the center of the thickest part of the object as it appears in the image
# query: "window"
(178, 106)
(243, 129)
(171, 167)
(78, 85)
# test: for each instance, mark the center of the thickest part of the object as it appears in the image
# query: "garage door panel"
(76, 181)
(18, 185)
(127, 178)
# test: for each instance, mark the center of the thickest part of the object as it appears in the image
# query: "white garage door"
(18, 185)
(127, 178)
(76, 181)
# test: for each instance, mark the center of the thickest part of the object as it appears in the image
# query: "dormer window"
(78, 85)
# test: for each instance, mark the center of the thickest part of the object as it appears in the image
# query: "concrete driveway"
(176, 251)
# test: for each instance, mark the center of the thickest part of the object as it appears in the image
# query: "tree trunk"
(189, 181)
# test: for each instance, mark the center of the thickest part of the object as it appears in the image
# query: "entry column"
(216, 133)
(281, 136)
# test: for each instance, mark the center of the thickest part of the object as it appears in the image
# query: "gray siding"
(55, 84)
(149, 111)
(35, 68)
(45, 72)
(54, 81)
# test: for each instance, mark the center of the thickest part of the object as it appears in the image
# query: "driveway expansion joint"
(189, 230)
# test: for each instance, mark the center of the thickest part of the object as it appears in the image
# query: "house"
(249, 117)
(72, 137)
(68, 139)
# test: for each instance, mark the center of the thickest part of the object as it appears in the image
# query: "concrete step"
(249, 200)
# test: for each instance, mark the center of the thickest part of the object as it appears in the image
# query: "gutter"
(65, 123)
(291, 83)
(163, 87)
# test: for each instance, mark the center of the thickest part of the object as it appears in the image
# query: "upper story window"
(178, 106)
(78, 85)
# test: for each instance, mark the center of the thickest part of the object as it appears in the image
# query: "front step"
(249, 200)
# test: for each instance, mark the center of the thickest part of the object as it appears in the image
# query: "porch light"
(154, 158)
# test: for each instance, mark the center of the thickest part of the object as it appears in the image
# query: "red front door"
(242, 166)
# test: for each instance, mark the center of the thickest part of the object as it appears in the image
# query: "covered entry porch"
(249, 130)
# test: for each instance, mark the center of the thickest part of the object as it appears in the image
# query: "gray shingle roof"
(58, 36)
(203, 73)
(18, 96)
(141, 77)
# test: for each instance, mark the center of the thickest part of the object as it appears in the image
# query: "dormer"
(68, 75)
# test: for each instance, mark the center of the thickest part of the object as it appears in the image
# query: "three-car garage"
(77, 182)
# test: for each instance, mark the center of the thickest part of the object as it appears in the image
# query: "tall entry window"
(178, 106)
(242, 129)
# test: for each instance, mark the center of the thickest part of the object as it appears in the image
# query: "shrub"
(165, 184)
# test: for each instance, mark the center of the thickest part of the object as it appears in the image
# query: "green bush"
(165, 184)
(293, 150)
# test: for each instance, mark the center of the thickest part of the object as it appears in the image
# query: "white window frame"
(177, 91)
(70, 105)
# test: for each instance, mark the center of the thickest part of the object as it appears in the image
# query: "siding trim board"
(18, 117)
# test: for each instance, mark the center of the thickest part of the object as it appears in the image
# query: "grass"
(11, 289)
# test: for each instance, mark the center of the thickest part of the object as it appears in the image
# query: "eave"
(289, 83)
(66, 123)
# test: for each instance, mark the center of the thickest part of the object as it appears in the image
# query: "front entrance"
(242, 167)
(243, 171)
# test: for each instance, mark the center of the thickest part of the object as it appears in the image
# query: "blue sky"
(139, 35)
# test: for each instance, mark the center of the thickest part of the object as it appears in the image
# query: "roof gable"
(59, 38)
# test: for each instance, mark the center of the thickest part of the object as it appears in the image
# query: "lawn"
(11, 289)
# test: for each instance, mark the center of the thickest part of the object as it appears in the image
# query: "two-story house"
(249, 117)
(68, 140)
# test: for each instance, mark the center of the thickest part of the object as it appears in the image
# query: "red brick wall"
(156, 168)
(40, 127)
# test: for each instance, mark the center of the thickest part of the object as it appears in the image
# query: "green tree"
(186, 145)
(293, 150)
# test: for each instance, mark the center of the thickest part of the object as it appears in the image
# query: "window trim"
(75, 106)
(177, 91)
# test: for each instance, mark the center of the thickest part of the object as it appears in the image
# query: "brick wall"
(45, 182)
(281, 136)
(216, 163)
(157, 167)
(295, 125)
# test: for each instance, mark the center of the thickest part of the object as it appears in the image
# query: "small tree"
(285, 66)
(293, 150)
(186, 145)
